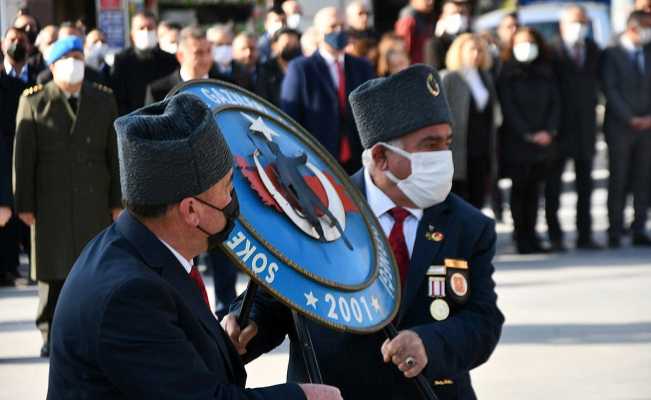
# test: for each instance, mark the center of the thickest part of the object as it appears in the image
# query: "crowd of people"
(522, 107)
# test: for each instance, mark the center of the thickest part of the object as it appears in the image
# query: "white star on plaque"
(258, 125)
(311, 300)
(376, 304)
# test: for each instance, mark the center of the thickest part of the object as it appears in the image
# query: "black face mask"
(17, 51)
(31, 36)
(231, 212)
(290, 52)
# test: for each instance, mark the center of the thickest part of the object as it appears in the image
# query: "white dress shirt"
(23, 74)
(632, 51)
(381, 204)
(332, 65)
(187, 265)
(185, 77)
(477, 88)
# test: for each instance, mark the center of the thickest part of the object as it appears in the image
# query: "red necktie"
(196, 277)
(398, 243)
(344, 145)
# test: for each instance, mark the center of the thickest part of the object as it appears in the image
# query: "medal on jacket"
(439, 309)
(457, 286)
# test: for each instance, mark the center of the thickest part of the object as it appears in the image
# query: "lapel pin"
(437, 236)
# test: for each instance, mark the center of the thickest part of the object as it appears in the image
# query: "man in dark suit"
(10, 231)
(454, 21)
(285, 46)
(274, 20)
(448, 320)
(133, 319)
(577, 65)
(6, 205)
(137, 66)
(315, 90)
(626, 75)
(245, 61)
(15, 48)
(196, 62)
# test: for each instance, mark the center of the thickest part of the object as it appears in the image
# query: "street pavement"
(578, 325)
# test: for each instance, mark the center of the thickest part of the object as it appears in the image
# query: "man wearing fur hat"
(67, 185)
(448, 320)
(133, 320)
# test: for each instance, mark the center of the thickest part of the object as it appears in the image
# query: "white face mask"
(574, 33)
(430, 181)
(525, 52)
(645, 36)
(145, 40)
(99, 48)
(69, 70)
(274, 27)
(223, 55)
(169, 47)
(456, 23)
(294, 21)
(96, 53)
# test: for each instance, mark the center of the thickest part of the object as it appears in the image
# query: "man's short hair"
(146, 15)
(245, 35)
(169, 25)
(148, 211)
(285, 31)
(191, 32)
(14, 29)
(637, 18)
(277, 9)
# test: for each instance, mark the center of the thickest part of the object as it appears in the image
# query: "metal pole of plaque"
(307, 349)
(425, 389)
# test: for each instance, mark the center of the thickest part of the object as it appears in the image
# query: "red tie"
(344, 145)
(196, 277)
(398, 243)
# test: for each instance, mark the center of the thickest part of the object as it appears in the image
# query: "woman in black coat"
(530, 100)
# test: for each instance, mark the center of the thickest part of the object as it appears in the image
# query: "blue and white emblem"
(304, 232)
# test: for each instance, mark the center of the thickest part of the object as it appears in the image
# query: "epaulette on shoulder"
(102, 88)
(32, 89)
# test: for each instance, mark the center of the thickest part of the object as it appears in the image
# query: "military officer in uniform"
(66, 183)
(448, 320)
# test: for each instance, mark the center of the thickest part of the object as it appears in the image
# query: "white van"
(544, 18)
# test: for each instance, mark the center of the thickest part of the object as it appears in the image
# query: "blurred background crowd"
(531, 88)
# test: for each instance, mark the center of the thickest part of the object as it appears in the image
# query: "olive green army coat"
(65, 172)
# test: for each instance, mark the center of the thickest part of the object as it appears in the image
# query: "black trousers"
(525, 194)
(48, 294)
(9, 247)
(583, 186)
(476, 186)
(225, 277)
(629, 155)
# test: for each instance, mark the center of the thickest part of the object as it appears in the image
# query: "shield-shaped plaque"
(304, 231)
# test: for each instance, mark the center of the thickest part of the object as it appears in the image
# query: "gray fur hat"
(388, 108)
(170, 150)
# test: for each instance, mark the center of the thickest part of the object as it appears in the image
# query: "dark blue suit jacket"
(454, 346)
(309, 95)
(130, 323)
(6, 198)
